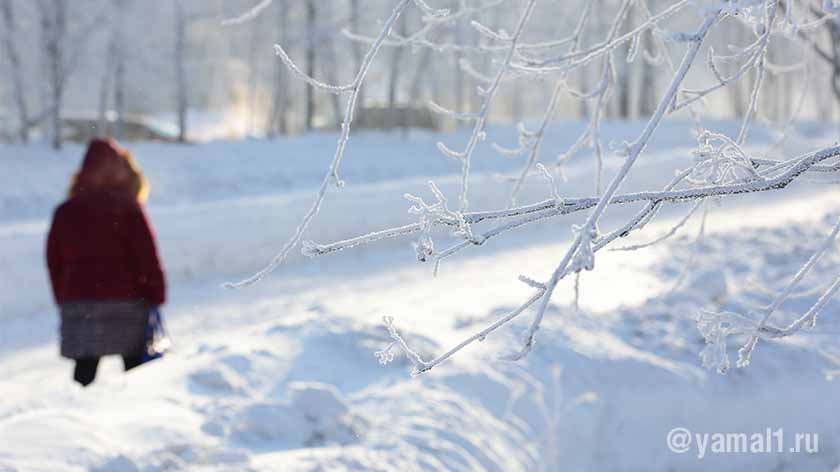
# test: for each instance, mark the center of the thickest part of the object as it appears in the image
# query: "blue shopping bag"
(156, 340)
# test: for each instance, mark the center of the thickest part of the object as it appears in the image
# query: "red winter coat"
(101, 247)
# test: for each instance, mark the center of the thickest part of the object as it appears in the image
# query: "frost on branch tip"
(387, 355)
(440, 109)
(526, 139)
(449, 152)
(555, 193)
(249, 15)
(501, 35)
(311, 249)
(430, 11)
(424, 247)
(720, 160)
(431, 214)
(715, 329)
(584, 258)
(622, 149)
(633, 50)
(527, 340)
(531, 282)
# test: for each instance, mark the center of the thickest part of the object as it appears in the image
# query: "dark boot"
(130, 362)
(85, 370)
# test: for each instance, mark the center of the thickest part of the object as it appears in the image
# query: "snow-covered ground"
(282, 376)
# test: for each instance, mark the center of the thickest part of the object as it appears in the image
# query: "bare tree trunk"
(310, 63)
(831, 57)
(253, 74)
(102, 127)
(823, 102)
(834, 32)
(517, 106)
(647, 90)
(105, 94)
(736, 94)
(624, 85)
(583, 83)
(394, 74)
(438, 93)
(181, 99)
(19, 89)
(119, 68)
(330, 69)
(583, 73)
(277, 117)
(119, 96)
(416, 93)
(836, 84)
(770, 103)
(53, 30)
(57, 68)
(256, 49)
(623, 94)
(357, 60)
(331, 73)
(590, 75)
(735, 90)
(459, 74)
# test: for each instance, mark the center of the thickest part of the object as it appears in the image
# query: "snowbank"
(282, 376)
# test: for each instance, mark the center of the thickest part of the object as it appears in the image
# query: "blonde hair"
(137, 185)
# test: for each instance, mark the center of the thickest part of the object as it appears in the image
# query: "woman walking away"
(103, 263)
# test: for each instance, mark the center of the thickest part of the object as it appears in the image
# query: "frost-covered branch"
(760, 68)
(580, 255)
(745, 352)
(249, 15)
(572, 61)
(665, 236)
(489, 94)
(717, 327)
(549, 208)
(421, 366)
(722, 165)
(530, 142)
(332, 175)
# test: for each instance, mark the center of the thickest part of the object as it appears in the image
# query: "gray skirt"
(99, 328)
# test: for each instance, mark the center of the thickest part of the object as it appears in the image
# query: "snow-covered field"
(281, 376)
